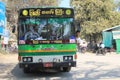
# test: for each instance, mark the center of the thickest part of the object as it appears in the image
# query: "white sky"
(65, 3)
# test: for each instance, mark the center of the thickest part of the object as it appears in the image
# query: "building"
(111, 38)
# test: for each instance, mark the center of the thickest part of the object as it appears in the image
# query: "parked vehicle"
(101, 49)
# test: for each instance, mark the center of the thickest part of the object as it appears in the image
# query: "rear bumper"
(54, 64)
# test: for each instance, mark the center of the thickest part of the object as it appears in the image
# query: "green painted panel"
(47, 49)
(118, 45)
(46, 53)
(107, 39)
(48, 46)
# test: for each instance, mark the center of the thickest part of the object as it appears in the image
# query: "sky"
(65, 3)
(116, 0)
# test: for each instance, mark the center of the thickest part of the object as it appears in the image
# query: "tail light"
(75, 56)
(19, 58)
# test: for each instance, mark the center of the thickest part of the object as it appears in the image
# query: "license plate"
(48, 65)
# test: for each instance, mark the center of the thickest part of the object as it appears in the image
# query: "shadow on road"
(18, 74)
(78, 73)
(101, 70)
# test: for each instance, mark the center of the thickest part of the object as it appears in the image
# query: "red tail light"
(75, 56)
(19, 58)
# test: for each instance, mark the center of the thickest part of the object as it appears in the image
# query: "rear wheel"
(26, 70)
(66, 69)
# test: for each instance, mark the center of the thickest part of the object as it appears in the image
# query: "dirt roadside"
(9, 58)
(89, 67)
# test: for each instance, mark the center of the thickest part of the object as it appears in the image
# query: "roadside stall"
(111, 38)
(116, 36)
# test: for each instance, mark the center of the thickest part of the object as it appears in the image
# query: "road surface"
(89, 67)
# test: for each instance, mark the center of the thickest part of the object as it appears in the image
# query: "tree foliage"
(95, 15)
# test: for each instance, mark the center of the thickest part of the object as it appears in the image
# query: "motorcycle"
(100, 51)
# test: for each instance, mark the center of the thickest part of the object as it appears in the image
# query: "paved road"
(89, 67)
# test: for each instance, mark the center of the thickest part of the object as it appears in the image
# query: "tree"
(95, 16)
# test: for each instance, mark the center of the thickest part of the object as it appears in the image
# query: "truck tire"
(66, 69)
(26, 70)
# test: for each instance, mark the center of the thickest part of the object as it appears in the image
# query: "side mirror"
(13, 28)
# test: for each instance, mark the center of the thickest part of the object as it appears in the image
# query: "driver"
(31, 34)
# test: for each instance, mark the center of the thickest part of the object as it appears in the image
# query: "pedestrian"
(6, 42)
(78, 40)
(2, 42)
(96, 46)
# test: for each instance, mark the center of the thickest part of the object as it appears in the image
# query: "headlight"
(27, 59)
(70, 58)
(24, 59)
(67, 58)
